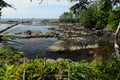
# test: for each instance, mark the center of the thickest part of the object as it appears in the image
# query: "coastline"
(74, 38)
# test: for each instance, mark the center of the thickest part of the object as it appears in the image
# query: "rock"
(57, 46)
(51, 60)
(75, 48)
(93, 46)
(28, 32)
(99, 33)
(59, 59)
(83, 33)
(24, 60)
(73, 45)
(52, 28)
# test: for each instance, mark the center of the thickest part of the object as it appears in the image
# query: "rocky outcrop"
(57, 60)
(79, 38)
(30, 34)
(65, 46)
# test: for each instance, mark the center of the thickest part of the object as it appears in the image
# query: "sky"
(48, 9)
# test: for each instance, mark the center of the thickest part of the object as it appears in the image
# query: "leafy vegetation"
(69, 17)
(35, 70)
(97, 14)
(114, 18)
(88, 18)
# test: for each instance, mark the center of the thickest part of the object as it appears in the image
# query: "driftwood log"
(116, 46)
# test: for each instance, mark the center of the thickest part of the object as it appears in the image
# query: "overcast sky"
(27, 9)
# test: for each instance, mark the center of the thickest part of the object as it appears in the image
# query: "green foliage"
(6, 37)
(9, 55)
(88, 18)
(97, 14)
(68, 17)
(103, 13)
(102, 18)
(110, 68)
(35, 70)
(114, 18)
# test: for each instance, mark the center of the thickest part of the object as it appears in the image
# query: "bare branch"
(8, 27)
(5, 4)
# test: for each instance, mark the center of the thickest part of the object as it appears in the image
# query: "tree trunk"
(116, 42)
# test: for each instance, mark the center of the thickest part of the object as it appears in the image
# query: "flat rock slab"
(35, 35)
(63, 46)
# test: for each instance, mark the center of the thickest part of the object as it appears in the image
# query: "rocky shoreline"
(75, 38)
(71, 36)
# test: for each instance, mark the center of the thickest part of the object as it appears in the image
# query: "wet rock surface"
(78, 38)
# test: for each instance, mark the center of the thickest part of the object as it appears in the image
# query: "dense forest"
(98, 14)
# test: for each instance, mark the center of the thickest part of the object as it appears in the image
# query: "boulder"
(28, 32)
(51, 60)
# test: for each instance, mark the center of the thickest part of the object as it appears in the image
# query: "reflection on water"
(32, 47)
